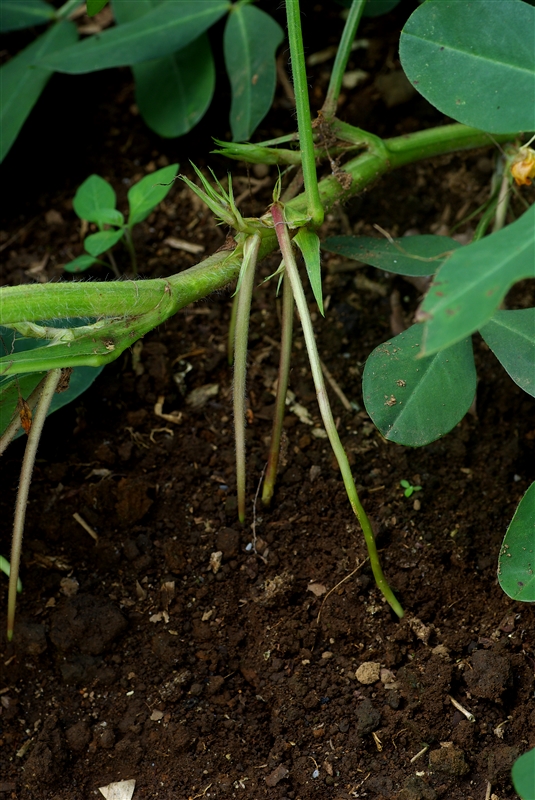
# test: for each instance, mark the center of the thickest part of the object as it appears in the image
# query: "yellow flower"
(523, 167)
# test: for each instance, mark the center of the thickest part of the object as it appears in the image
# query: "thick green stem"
(282, 388)
(48, 390)
(250, 255)
(306, 142)
(342, 57)
(325, 408)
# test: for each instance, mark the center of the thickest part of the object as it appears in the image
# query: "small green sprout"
(5, 567)
(409, 488)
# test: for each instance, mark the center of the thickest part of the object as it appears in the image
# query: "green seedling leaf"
(145, 195)
(18, 14)
(250, 41)
(165, 29)
(98, 243)
(92, 197)
(108, 216)
(94, 6)
(22, 83)
(81, 263)
(81, 377)
(415, 401)
(308, 242)
(174, 92)
(511, 337)
(409, 255)
(516, 562)
(474, 61)
(523, 775)
(471, 284)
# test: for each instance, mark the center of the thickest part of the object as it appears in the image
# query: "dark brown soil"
(282, 673)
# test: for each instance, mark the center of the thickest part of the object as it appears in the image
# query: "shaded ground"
(134, 656)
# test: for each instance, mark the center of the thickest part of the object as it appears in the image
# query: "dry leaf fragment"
(180, 244)
(200, 396)
(215, 561)
(25, 414)
(317, 588)
(122, 790)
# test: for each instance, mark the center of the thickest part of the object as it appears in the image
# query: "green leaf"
(145, 195)
(469, 287)
(511, 337)
(92, 197)
(375, 8)
(98, 243)
(22, 83)
(409, 255)
(174, 92)
(167, 28)
(474, 61)
(108, 216)
(523, 775)
(18, 14)
(415, 401)
(94, 6)
(516, 562)
(81, 377)
(80, 264)
(250, 41)
(308, 242)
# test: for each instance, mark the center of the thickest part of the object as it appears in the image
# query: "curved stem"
(304, 124)
(49, 389)
(342, 57)
(325, 408)
(250, 255)
(282, 388)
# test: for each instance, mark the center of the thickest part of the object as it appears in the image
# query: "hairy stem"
(48, 390)
(325, 408)
(131, 249)
(306, 142)
(342, 57)
(250, 255)
(232, 330)
(282, 388)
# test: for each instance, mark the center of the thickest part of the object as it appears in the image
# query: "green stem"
(14, 426)
(325, 408)
(342, 57)
(48, 391)
(250, 255)
(131, 249)
(304, 124)
(232, 330)
(282, 388)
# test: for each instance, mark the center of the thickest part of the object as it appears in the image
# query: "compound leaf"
(474, 61)
(516, 562)
(415, 401)
(471, 284)
(18, 14)
(409, 255)
(22, 83)
(511, 337)
(92, 197)
(148, 192)
(168, 27)
(250, 41)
